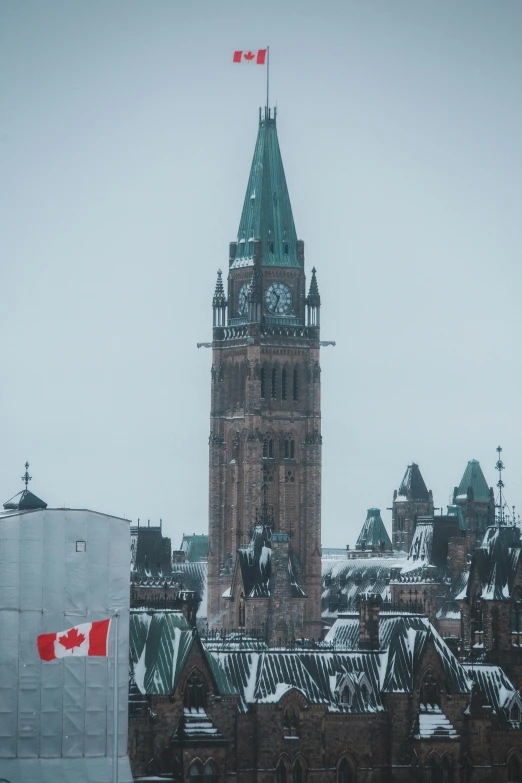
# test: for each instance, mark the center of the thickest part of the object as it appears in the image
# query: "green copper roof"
(195, 547)
(373, 533)
(267, 213)
(473, 477)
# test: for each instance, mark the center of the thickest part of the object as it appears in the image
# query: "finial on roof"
(314, 299)
(26, 477)
(500, 484)
(219, 299)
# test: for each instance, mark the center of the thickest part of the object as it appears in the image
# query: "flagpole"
(115, 701)
(267, 75)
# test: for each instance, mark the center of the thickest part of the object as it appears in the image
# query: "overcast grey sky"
(125, 144)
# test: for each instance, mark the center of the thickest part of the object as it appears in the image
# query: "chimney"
(369, 610)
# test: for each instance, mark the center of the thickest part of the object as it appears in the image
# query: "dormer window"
(514, 713)
(346, 696)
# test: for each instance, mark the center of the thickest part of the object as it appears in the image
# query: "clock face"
(242, 300)
(278, 298)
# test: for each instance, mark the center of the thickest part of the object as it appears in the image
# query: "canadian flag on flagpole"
(258, 57)
(84, 639)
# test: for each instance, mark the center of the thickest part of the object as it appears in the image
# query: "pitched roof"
(267, 213)
(373, 533)
(344, 580)
(496, 562)
(24, 501)
(413, 486)
(473, 477)
(160, 643)
(195, 547)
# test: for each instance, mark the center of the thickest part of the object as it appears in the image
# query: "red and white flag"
(258, 57)
(84, 639)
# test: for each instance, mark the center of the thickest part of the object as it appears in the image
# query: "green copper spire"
(373, 534)
(267, 213)
(473, 477)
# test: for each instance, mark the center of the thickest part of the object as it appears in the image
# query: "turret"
(313, 302)
(219, 302)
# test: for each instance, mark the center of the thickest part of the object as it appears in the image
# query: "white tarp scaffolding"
(60, 568)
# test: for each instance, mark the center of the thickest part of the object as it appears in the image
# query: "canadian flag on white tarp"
(84, 639)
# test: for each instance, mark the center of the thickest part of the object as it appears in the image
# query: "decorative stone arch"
(345, 690)
(283, 767)
(346, 769)
(438, 769)
(299, 769)
(195, 690)
(514, 766)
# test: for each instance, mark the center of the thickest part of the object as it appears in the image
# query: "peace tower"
(264, 568)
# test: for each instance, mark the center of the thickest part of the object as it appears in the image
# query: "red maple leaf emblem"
(72, 639)
(249, 55)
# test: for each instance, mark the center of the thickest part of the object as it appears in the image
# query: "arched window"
(344, 772)
(429, 690)
(195, 770)
(291, 722)
(295, 385)
(346, 696)
(431, 770)
(281, 772)
(268, 448)
(514, 774)
(194, 692)
(274, 383)
(283, 383)
(445, 772)
(263, 383)
(289, 448)
(298, 772)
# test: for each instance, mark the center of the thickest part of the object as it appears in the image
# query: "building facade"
(59, 568)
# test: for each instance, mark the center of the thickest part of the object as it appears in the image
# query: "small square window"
(81, 546)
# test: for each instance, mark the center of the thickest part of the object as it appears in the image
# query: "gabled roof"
(473, 477)
(413, 486)
(159, 646)
(493, 683)
(160, 643)
(373, 533)
(267, 213)
(496, 562)
(24, 501)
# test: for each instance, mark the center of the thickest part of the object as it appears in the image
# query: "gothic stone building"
(382, 697)
(264, 565)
